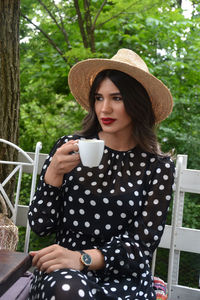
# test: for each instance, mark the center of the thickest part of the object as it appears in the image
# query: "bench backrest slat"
(190, 181)
(187, 239)
(29, 169)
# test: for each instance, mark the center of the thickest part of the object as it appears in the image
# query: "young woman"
(108, 219)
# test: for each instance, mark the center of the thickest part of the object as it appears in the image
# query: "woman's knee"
(64, 285)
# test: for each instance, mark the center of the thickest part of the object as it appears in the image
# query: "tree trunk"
(9, 79)
(179, 3)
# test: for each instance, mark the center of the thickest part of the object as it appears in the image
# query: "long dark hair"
(137, 105)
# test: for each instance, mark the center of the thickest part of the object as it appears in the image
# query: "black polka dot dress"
(119, 207)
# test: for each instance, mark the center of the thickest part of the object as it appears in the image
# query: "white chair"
(25, 164)
(177, 238)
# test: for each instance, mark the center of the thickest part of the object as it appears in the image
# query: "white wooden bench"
(175, 237)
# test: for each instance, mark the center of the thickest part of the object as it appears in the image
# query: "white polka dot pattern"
(120, 208)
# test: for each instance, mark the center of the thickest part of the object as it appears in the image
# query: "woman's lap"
(73, 284)
(62, 284)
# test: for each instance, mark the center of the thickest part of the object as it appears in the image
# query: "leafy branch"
(47, 36)
(61, 28)
(118, 14)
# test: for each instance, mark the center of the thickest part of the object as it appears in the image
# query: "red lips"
(107, 121)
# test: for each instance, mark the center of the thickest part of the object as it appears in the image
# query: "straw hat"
(82, 75)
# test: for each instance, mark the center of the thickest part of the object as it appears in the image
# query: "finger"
(68, 163)
(52, 268)
(45, 260)
(68, 147)
(35, 259)
(71, 158)
(33, 253)
(47, 254)
(76, 147)
(40, 253)
(50, 264)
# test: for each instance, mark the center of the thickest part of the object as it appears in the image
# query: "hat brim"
(82, 75)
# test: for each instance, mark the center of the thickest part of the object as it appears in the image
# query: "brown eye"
(117, 98)
(98, 98)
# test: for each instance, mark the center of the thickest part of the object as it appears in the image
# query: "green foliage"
(189, 267)
(50, 121)
(191, 211)
(36, 242)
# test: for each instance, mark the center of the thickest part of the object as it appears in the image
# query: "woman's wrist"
(97, 259)
(53, 179)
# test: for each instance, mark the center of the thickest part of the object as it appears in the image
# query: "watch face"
(86, 258)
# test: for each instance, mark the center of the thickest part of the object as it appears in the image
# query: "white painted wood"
(190, 181)
(28, 169)
(187, 239)
(25, 161)
(180, 292)
(177, 238)
(22, 214)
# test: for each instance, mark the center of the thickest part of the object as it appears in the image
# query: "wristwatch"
(86, 260)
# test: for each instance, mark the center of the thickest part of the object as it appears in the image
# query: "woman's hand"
(62, 162)
(56, 257)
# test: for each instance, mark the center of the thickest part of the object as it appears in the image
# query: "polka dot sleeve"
(131, 252)
(45, 208)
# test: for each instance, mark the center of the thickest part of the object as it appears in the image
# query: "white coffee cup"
(91, 152)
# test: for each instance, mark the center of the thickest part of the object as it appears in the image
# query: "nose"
(106, 106)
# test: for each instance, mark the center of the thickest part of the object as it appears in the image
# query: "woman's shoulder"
(75, 136)
(66, 138)
(162, 162)
(156, 160)
(62, 140)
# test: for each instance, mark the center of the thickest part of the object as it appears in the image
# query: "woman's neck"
(117, 142)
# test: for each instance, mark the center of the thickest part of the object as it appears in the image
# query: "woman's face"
(110, 110)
